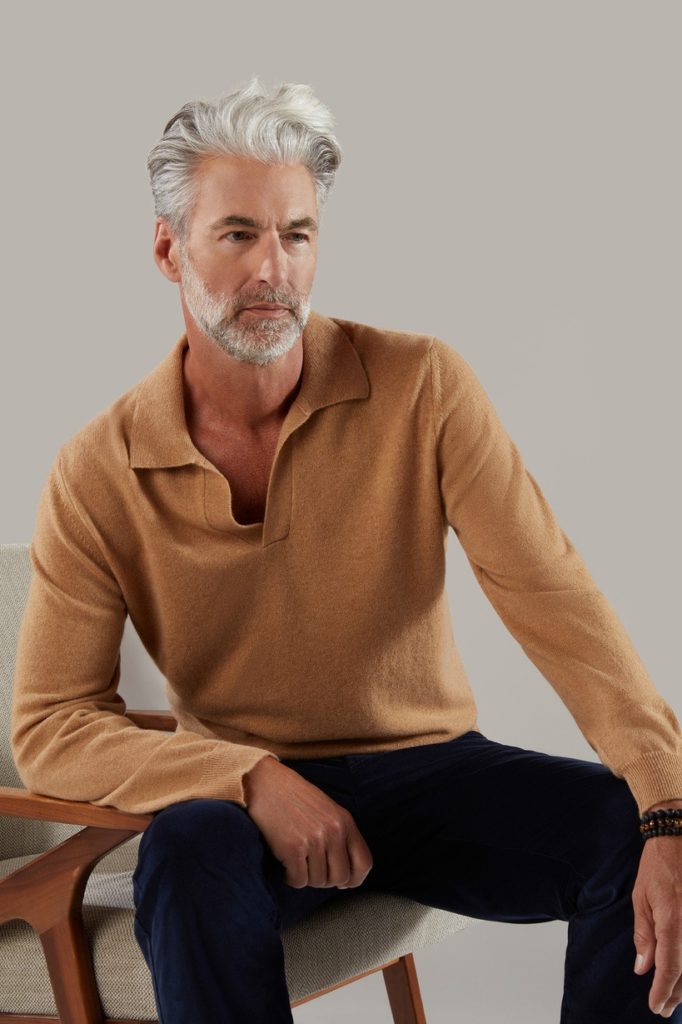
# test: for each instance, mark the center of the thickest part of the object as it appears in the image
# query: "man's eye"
(293, 234)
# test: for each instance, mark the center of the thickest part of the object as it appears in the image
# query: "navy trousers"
(469, 825)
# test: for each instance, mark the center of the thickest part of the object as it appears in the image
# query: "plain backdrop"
(510, 183)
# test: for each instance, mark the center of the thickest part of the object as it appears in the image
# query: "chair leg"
(48, 893)
(403, 992)
(67, 955)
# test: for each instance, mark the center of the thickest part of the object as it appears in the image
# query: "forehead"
(254, 188)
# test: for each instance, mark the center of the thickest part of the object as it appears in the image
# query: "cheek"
(305, 275)
(225, 283)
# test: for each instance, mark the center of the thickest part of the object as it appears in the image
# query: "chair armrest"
(20, 803)
(162, 720)
(48, 891)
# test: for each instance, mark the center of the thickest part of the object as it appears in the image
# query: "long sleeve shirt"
(325, 629)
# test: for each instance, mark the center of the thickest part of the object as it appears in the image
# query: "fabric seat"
(335, 945)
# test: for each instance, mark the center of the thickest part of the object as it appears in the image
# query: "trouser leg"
(500, 833)
(208, 919)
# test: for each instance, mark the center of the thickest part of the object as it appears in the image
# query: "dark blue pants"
(481, 828)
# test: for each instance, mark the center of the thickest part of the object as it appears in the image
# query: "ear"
(166, 250)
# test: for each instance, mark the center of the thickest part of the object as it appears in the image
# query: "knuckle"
(316, 837)
(295, 861)
(336, 827)
(293, 852)
(667, 930)
(638, 900)
(294, 877)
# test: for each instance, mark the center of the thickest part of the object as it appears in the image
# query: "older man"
(271, 505)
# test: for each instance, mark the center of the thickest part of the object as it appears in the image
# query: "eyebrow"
(249, 222)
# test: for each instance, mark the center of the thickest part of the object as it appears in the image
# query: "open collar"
(332, 372)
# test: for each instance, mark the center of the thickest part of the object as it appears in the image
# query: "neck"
(226, 396)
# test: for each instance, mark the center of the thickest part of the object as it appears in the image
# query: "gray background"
(510, 184)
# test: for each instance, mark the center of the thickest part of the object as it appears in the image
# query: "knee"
(200, 829)
(614, 841)
(619, 817)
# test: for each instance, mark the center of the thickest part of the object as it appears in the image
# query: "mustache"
(254, 300)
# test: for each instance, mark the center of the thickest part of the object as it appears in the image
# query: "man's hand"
(657, 901)
(315, 838)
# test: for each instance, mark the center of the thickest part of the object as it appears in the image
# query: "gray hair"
(290, 126)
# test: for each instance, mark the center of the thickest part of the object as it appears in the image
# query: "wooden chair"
(67, 948)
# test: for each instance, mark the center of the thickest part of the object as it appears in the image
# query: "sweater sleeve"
(70, 737)
(540, 587)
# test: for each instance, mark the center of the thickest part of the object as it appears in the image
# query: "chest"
(246, 464)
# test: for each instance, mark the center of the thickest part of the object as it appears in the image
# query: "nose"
(270, 260)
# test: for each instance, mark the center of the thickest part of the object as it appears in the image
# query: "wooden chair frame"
(47, 893)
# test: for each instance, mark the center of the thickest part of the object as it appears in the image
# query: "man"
(270, 506)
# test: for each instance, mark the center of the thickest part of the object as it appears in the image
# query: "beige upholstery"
(335, 943)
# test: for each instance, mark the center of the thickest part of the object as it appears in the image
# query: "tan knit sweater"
(325, 629)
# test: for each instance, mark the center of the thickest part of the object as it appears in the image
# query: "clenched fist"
(315, 839)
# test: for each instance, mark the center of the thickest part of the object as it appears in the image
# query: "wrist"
(249, 777)
(662, 820)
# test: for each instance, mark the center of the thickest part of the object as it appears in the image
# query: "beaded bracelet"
(665, 822)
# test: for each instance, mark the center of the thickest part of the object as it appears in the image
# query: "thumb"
(645, 943)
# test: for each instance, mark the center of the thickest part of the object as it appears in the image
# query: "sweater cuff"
(654, 778)
(225, 768)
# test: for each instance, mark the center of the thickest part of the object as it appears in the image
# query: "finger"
(644, 961)
(668, 961)
(361, 860)
(672, 1004)
(670, 1008)
(662, 988)
(338, 858)
(295, 863)
(296, 871)
(644, 939)
(318, 869)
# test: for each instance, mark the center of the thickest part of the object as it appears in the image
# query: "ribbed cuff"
(225, 768)
(654, 778)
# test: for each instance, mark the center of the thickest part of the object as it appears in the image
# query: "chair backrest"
(18, 836)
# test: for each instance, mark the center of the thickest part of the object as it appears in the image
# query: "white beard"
(260, 340)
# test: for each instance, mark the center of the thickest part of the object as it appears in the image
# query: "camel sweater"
(325, 629)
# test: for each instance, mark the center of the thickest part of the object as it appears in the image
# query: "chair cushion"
(335, 942)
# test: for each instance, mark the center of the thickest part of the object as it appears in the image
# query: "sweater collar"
(332, 372)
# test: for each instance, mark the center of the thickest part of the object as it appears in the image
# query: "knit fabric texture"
(325, 629)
